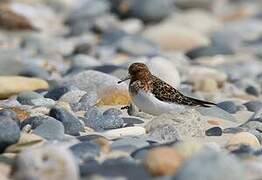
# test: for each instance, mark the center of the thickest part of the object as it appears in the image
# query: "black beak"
(125, 79)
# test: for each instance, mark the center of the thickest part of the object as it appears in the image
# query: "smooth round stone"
(85, 151)
(34, 121)
(128, 144)
(35, 71)
(9, 114)
(253, 106)
(165, 133)
(228, 106)
(252, 90)
(84, 61)
(89, 167)
(210, 165)
(211, 50)
(215, 111)
(58, 92)
(120, 167)
(26, 96)
(108, 68)
(48, 162)
(12, 85)
(147, 11)
(94, 81)
(86, 102)
(162, 161)
(73, 96)
(137, 46)
(172, 36)
(109, 120)
(122, 132)
(71, 123)
(97, 139)
(9, 132)
(50, 129)
(214, 131)
(188, 148)
(244, 138)
(96, 8)
(45, 102)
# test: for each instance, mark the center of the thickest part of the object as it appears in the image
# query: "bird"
(154, 96)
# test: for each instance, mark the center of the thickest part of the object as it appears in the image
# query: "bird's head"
(137, 71)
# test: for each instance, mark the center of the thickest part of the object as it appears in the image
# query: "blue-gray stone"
(215, 111)
(228, 106)
(210, 165)
(9, 132)
(50, 129)
(129, 144)
(85, 151)
(71, 123)
(253, 106)
(164, 133)
(214, 131)
(112, 112)
(57, 92)
(26, 96)
(95, 119)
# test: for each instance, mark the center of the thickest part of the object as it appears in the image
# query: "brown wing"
(167, 93)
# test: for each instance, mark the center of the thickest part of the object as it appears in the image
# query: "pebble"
(217, 112)
(214, 131)
(253, 106)
(244, 138)
(165, 133)
(162, 161)
(48, 162)
(137, 46)
(50, 129)
(94, 81)
(122, 132)
(210, 165)
(110, 119)
(12, 85)
(128, 144)
(26, 96)
(85, 151)
(175, 37)
(148, 11)
(228, 106)
(58, 92)
(212, 50)
(73, 96)
(9, 132)
(71, 123)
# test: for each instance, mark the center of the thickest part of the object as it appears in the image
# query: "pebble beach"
(61, 115)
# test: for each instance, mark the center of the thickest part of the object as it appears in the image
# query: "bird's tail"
(201, 102)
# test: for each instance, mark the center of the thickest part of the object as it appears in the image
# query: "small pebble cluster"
(60, 104)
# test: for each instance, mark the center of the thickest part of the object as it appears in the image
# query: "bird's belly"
(148, 103)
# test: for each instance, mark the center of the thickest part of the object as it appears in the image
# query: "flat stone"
(12, 85)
